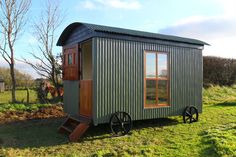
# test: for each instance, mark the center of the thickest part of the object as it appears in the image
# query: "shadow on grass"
(43, 133)
(103, 131)
(154, 123)
(31, 133)
(209, 147)
(226, 104)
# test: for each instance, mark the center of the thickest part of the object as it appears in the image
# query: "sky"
(212, 21)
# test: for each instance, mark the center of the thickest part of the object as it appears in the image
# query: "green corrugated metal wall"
(118, 79)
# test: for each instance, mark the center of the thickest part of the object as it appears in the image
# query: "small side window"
(70, 59)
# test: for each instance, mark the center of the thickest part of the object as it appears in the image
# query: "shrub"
(218, 71)
(22, 107)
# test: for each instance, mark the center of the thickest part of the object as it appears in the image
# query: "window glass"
(150, 91)
(156, 79)
(150, 65)
(69, 59)
(162, 92)
(162, 65)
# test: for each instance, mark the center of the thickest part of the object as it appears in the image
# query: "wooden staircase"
(76, 127)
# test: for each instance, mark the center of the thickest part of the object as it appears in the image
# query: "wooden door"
(86, 99)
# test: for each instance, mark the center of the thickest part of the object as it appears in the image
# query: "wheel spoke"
(124, 129)
(193, 110)
(123, 117)
(118, 118)
(191, 119)
(115, 123)
(126, 122)
(187, 118)
(187, 113)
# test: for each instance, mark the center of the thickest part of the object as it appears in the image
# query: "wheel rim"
(120, 123)
(190, 115)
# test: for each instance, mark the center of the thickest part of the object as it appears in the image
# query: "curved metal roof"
(121, 31)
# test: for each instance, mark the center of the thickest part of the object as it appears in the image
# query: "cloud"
(118, 4)
(207, 28)
(88, 4)
(227, 6)
(219, 30)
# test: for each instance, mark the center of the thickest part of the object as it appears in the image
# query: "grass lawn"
(213, 135)
(21, 96)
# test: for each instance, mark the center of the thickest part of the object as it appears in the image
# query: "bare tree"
(12, 19)
(47, 62)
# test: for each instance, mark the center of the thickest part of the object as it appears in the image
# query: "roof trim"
(121, 31)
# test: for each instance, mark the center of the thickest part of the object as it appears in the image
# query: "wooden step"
(76, 127)
(85, 119)
(72, 119)
(66, 129)
(78, 132)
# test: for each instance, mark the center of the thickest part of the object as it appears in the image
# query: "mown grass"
(160, 137)
(21, 96)
(224, 139)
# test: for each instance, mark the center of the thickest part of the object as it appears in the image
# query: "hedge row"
(218, 71)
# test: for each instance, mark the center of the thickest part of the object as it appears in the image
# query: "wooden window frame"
(157, 105)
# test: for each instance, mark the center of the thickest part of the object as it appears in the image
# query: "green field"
(213, 135)
(21, 96)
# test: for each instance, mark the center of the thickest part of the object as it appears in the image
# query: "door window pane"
(162, 92)
(150, 91)
(150, 65)
(162, 65)
(69, 58)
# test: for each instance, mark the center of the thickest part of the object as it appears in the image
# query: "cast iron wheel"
(120, 123)
(190, 114)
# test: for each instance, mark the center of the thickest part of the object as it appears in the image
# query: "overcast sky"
(213, 21)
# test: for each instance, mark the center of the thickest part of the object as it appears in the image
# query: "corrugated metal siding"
(71, 97)
(113, 32)
(79, 34)
(145, 40)
(118, 79)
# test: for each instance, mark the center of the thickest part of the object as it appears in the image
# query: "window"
(156, 79)
(70, 58)
(70, 62)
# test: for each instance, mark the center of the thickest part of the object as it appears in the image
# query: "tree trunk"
(27, 96)
(56, 86)
(13, 90)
